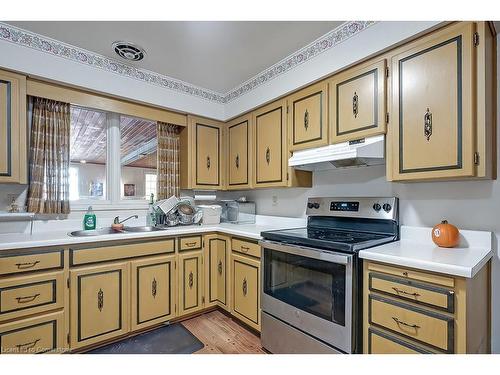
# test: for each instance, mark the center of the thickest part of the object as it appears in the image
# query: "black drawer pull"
(154, 284)
(400, 291)
(27, 299)
(100, 299)
(23, 266)
(401, 323)
(28, 345)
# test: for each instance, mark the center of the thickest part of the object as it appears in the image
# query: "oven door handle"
(308, 252)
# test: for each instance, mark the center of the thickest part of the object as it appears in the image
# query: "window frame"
(113, 199)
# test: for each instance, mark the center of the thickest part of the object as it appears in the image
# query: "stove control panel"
(344, 206)
(370, 207)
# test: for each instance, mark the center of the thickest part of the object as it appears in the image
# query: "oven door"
(311, 290)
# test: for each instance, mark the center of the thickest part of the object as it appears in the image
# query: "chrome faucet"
(117, 219)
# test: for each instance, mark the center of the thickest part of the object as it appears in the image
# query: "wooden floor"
(222, 335)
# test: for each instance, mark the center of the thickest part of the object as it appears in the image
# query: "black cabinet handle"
(401, 323)
(306, 119)
(355, 104)
(268, 156)
(154, 284)
(428, 124)
(208, 162)
(23, 266)
(100, 299)
(191, 280)
(237, 161)
(245, 287)
(219, 266)
(27, 298)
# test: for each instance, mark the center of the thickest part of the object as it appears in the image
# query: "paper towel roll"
(205, 197)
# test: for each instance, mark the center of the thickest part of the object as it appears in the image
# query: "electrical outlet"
(275, 200)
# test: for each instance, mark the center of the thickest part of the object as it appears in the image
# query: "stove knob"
(377, 207)
(316, 205)
(387, 207)
(310, 205)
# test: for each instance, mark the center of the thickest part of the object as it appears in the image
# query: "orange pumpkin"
(445, 235)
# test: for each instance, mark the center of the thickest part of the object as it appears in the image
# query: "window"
(88, 145)
(150, 185)
(138, 144)
(96, 177)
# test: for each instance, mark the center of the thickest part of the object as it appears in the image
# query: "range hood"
(359, 153)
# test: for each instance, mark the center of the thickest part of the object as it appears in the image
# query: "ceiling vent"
(129, 51)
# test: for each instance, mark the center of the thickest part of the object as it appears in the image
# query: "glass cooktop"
(331, 239)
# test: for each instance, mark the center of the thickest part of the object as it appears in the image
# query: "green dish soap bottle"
(89, 220)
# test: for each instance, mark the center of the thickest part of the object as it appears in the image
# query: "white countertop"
(416, 250)
(61, 238)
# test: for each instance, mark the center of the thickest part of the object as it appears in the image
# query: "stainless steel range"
(312, 277)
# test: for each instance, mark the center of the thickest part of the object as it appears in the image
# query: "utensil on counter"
(445, 234)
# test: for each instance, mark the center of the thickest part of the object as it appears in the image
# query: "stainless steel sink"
(103, 231)
(141, 229)
(95, 232)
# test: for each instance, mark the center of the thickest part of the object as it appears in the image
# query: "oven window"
(311, 285)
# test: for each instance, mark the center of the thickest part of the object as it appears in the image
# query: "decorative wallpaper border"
(51, 46)
(313, 49)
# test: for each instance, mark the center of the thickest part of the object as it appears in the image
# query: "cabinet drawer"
(425, 326)
(383, 343)
(424, 294)
(34, 335)
(190, 243)
(245, 286)
(117, 252)
(246, 247)
(32, 261)
(413, 274)
(31, 294)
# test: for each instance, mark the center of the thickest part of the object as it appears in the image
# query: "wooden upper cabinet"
(307, 117)
(239, 146)
(270, 144)
(201, 148)
(432, 112)
(357, 102)
(13, 138)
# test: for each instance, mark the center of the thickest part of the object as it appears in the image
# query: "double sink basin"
(104, 231)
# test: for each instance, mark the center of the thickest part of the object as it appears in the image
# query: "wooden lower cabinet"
(413, 311)
(99, 303)
(217, 253)
(31, 294)
(39, 334)
(153, 291)
(245, 286)
(190, 270)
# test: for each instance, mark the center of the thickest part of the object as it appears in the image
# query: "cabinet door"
(217, 249)
(357, 102)
(99, 303)
(207, 149)
(34, 335)
(13, 140)
(432, 106)
(239, 134)
(307, 117)
(245, 285)
(153, 291)
(270, 145)
(190, 282)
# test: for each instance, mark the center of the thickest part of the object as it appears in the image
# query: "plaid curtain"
(49, 157)
(168, 160)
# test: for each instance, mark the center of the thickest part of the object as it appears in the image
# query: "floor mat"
(171, 339)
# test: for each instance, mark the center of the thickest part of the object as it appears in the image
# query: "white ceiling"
(214, 55)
